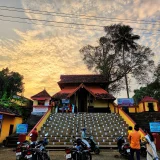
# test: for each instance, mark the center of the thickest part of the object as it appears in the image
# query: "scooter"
(94, 147)
(78, 151)
(123, 147)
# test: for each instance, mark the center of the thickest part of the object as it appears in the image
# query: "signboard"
(154, 127)
(125, 101)
(65, 101)
(1, 116)
(21, 128)
(40, 109)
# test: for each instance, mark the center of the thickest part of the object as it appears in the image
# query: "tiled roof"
(99, 92)
(8, 111)
(82, 79)
(96, 91)
(42, 94)
(64, 92)
(148, 99)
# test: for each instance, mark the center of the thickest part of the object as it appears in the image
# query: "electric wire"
(69, 14)
(106, 19)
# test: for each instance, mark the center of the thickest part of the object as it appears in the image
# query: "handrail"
(40, 122)
(130, 121)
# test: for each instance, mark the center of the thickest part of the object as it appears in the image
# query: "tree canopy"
(109, 59)
(10, 83)
(151, 89)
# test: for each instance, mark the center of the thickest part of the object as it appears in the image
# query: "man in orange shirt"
(134, 139)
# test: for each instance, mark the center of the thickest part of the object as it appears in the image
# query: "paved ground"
(8, 154)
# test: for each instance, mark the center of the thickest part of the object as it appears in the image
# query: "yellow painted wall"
(35, 103)
(154, 104)
(140, 108)
(129, 121)
(103, 104)
(7, 121)
(132, 110)
(100, 103)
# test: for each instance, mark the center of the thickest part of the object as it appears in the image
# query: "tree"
(114, 63)
(124, 41)
(152, 89)
(10, 83)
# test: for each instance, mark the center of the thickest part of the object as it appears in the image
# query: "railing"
(40, 123)
(129, 121)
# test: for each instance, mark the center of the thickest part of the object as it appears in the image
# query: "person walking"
(134, 140)
(151, 148)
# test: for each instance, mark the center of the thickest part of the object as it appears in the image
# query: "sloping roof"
(9, 111)
(63, 94)
(148, 99)
(96, 91)
(82, 79)
(99, 93)
(41, 95)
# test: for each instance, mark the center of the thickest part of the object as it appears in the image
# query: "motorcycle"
(123, 147)
(94, 147)
(22, 151)
(78, 151)
(38, 149)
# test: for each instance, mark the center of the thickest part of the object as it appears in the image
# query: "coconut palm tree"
(124, 40)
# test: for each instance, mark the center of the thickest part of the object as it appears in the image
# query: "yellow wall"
(35, 103)
(140, 108)
(129, 121)
(132, 110)
(154, 104)
(7, 121)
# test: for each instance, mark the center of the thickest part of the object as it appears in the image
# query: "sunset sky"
(41, 39)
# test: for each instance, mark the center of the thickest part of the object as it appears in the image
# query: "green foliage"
(152, 89)
(118, 55)
(10, 83)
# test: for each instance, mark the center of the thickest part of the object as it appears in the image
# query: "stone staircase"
(11, 140)
(143, 118)
(104, 127)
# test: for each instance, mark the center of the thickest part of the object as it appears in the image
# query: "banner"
(1, 116)
(65, 101)
(154, 127)
(21, 128)
(40, 109)
(125, 101)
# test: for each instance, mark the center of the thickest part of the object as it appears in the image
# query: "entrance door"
(11, 129)
(82, 100)
(151, 107)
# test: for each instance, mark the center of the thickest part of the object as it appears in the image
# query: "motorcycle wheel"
(88, 156)
(97, 151)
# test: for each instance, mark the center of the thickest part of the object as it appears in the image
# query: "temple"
(87, 92)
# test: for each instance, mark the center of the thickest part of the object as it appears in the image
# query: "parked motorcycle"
(94, 147)
(38, 149)
(78, 151)
(22, 151)
(123, 147)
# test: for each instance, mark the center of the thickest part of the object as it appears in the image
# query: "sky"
(41, 39)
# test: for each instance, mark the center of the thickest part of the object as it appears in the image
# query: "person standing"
(151, 148)
(134, 140)
(34, 135)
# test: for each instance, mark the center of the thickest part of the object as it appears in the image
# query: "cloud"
(45, 52)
